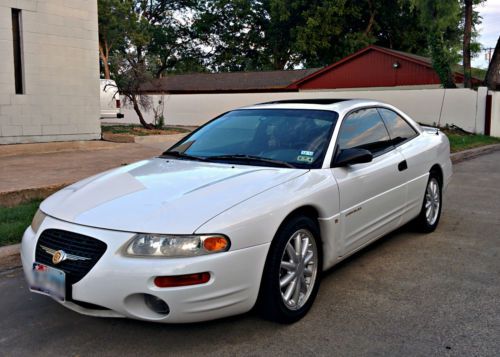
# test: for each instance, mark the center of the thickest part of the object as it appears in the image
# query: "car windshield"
(267, 137)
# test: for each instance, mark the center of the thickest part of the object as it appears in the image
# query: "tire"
(428, 218)
(279, 303)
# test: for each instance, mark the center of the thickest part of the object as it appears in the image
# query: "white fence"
(462, 107)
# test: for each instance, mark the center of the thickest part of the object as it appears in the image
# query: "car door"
(371, 194)
(402, 135)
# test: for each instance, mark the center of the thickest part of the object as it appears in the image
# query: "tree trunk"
(371, 20)
(466, 48)
(492, 75)
(104, 54)
(139, 113)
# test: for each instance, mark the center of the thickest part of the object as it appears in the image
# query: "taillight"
(118, 104)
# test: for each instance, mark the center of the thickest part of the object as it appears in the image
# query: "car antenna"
(440, 112)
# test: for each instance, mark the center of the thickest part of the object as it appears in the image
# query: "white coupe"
(246, 211)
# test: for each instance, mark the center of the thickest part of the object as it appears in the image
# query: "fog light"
(181, 280)
(156, 304)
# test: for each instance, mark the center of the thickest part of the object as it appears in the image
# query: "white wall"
(61, 71)
(462, 107)
(495, 114)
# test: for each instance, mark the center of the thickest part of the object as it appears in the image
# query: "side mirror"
(352, 156)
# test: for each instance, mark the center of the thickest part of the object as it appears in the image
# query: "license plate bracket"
(48, 281)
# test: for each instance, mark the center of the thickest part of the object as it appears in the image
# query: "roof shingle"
(226, 81)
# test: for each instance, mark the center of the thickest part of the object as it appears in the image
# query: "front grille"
(70, 243)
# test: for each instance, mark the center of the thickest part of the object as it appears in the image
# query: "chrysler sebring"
(246, 211)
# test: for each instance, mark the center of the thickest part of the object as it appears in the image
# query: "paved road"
(406, 295)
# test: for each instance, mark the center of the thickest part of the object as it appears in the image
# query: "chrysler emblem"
(58, 256)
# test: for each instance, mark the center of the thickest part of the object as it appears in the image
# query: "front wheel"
(292, 273)
(430, 213)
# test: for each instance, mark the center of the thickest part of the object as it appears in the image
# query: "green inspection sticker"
(304, 158)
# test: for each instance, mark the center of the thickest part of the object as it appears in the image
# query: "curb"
(146, 139)
(10, 250)
(54, 147)
(12, 198)
(472, 153)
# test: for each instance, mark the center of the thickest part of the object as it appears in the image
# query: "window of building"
(18, 53)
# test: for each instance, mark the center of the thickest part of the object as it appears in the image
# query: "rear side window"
(364, 129)
(399, 129)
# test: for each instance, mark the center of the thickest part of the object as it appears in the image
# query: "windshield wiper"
(183, 155)
(251, 158)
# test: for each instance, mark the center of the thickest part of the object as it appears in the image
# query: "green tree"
(143, 40)
(114, 18)
(283, 34)
(442, 20)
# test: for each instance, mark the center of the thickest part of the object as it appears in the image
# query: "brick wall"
(61, 72)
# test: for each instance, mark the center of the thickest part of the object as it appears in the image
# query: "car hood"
(162, 195)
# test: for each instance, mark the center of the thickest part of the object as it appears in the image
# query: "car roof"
(333, 104)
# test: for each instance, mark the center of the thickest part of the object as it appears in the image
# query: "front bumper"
(118, 283)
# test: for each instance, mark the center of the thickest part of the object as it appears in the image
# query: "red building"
(373, 66)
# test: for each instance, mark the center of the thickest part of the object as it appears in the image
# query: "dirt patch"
(10, 262)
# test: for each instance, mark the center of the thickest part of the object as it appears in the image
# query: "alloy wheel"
(298, 270)
(432, 201)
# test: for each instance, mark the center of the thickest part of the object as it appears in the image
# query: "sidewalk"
(29, 171)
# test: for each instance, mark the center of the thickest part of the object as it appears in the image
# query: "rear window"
(399, 129)
(364, 129)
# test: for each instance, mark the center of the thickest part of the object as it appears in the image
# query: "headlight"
(154, 245)
(37, 220)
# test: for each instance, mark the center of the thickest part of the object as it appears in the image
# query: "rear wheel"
(430, 213)
(292, 273)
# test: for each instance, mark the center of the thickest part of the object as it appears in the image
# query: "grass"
(460, 142)
(138, 130)
(15, 220)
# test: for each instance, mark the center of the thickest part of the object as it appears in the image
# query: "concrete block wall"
(462, 107)
(61, 72)
(495, 114)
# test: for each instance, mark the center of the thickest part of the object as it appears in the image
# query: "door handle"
(402, 165)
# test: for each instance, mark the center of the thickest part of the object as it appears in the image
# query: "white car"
(247, 210)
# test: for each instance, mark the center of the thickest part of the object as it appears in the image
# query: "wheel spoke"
(308, 271)
(308, 258)
(296, 292)
(290, 266)
(287, 279)
(290, 290)
(291, 252)
(298, 243)
(305, 247)
(303, 284)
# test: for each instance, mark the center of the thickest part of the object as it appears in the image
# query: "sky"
(489, 29)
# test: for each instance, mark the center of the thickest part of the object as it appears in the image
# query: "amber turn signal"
(215, 244)
(182, 280)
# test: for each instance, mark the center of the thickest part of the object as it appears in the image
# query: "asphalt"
(406, 295)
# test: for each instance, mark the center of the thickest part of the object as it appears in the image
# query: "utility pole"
(488, 53)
